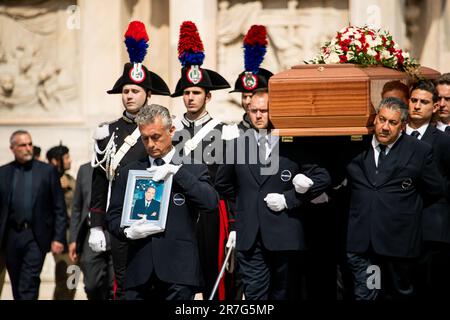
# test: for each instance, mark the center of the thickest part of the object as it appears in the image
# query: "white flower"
(350, 55)
(373, 42)
(371, 52)
(343, 30)
(333, 57)
(385, 54)
(378, 41)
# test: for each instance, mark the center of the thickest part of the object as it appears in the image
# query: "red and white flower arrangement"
(367, 47)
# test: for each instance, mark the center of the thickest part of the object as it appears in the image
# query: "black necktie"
(415, 134)
(159, 162)
(382, 155)
(447, 130)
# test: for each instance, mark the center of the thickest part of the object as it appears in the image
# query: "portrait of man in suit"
(147, 206)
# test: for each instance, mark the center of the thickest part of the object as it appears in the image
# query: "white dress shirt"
(376, 148)
(167, 158)
(421, 130)
(270, 142)
(441, 126)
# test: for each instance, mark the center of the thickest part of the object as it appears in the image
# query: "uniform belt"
(20, 226)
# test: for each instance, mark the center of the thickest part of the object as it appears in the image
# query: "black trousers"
(155, 289)
(98, 273)
(24, 261)
(395, 276)
(207, 231)
(119, 250)
(432, 276)
(269, 275)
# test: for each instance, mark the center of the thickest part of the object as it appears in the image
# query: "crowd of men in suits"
(301, 218)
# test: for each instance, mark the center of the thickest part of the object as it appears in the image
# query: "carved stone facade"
(58, 58)
(38, 63)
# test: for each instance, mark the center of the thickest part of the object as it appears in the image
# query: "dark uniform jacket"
(386, 208)
(172, 254)
(121, 128)
(279, 230)
(210, 146)
(436, 216)
(245, 123)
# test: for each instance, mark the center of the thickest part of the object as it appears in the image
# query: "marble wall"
(58, 58)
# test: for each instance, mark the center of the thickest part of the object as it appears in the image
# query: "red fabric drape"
(223, 235)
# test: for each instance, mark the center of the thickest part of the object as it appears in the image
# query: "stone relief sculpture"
(34, 76)
(295, 32)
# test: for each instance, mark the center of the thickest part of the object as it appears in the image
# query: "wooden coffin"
(329, 100)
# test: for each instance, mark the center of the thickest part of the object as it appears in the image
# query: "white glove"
(276, 201)
(97, 240)
(141, 229)
(163, 172)
(302, 183)
(231, 242)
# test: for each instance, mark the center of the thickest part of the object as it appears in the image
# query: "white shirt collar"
(375, 143)
(421, 130)
(198, 122)
(441, 126)
(270, 139)
(167, 158)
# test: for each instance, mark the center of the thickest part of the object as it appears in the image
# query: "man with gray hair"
(389, 182)
(163, 264)
(33, 216)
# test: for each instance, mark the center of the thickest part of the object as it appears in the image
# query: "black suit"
(170, 257)
(25, 246)
(385, 215)
(96, 266)
(140, 208)
(433, 278)
(258, 228)
(436, 216)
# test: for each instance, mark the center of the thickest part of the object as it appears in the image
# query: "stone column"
(101, 58)
(435, 50)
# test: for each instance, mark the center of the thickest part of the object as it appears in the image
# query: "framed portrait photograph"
(146, 197)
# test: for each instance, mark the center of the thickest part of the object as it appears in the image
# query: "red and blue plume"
(255, 47)
(190, 46)
(136, 39)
